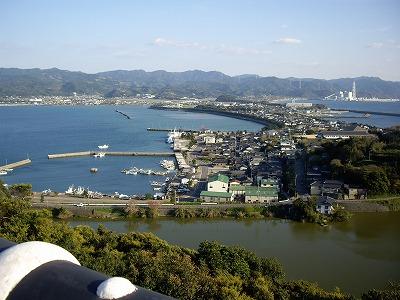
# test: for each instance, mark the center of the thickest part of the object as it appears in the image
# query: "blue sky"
(302, 38)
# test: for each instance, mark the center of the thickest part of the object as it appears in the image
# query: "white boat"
(172, 135)
(100, 154)
(167, 164)
(131, 172)
(70, 190)
(8, 170)
(157, 188)
(3, 172)
(103, 146)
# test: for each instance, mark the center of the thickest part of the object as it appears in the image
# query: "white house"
(325, 205)
(218, 183)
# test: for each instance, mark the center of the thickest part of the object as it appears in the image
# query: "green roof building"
(209, 196)
(219, 177)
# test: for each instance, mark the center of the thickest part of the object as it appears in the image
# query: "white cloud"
(161, 42)
(288, 40)
(375, 45)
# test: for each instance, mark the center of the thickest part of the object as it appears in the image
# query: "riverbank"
(367, 241)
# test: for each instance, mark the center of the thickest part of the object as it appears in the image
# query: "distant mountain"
(170, 85)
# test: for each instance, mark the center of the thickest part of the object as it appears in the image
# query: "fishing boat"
(100, 154)
(70, 190)
(131, 172)
(172, 135)
(103, 147)
(167, 164)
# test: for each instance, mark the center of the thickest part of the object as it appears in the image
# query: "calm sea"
(374, 120)
(36, 131)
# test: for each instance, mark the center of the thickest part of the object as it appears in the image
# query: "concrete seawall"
(125, 153)
(16, 164)
(71, 154)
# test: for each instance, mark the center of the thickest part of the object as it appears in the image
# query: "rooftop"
(219, 177)
(216, 194)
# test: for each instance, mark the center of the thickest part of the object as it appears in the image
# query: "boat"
(131, 172)
(2, 172)
(168, 164)
(103, 146)
(8, 170)
(70, 190)
(172, 135)
(93, 170)
(156, 183)
(100, 154)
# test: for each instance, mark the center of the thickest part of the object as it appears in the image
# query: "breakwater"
(370, 112)
(120, 153)
(16, 164)
(124, 114)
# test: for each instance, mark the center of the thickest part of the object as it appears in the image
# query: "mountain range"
(173, 85)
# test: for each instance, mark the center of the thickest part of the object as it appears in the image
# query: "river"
(357, 255)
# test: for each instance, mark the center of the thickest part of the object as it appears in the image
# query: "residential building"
(208, 196)
(325, 205)
(218, 183)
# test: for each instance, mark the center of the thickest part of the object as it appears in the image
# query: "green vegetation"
(368, 162)
(213, 271)
(393, 204)
(304, 211)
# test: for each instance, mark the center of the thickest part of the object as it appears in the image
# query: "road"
(301, 182)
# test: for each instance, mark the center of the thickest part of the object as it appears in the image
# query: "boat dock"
(91, 153)
(16, 164)
(182, 165)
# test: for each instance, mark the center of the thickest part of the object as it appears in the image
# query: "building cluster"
(221, 189)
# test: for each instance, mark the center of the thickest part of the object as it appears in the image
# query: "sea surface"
(36, 131)
(357, 255)
(374, 106)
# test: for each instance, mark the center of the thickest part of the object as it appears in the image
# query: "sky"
(301, 38)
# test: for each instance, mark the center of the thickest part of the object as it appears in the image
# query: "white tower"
(354, 94)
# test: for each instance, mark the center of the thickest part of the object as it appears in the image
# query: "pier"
(16, 164)
(120, 153)
(71, 154)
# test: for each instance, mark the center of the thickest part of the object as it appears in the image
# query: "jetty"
(16, 164)
(124, 114)
(393, 114)
(119, 153)
(70, 154)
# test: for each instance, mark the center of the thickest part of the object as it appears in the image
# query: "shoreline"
(267, 123)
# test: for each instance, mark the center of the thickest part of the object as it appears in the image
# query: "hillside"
(199, 84)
